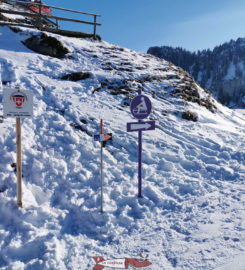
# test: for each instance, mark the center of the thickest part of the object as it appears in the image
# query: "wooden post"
(95, 21)
(19, 162)
(40, 16)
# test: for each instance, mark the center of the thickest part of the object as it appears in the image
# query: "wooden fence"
(50, 22)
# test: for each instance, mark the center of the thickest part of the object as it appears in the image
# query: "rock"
(191, 116)
(76, 76)
(46, 45)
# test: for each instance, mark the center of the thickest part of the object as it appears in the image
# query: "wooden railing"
(41, 20)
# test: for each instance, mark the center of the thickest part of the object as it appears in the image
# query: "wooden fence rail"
(41, 19)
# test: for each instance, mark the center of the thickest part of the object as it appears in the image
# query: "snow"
(192, 215)
(6, 6)
(237, 263)
(231, 72)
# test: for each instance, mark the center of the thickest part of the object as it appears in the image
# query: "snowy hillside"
(192, 215)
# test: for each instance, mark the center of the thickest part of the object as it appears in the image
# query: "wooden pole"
(19, 162)
(95, 21)
(40, 17)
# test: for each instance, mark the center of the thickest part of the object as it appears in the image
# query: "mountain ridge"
(221, 70)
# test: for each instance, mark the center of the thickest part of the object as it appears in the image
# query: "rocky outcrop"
(46, 45)
(77, 76)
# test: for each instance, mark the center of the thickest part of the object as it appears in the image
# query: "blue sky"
(139, 24)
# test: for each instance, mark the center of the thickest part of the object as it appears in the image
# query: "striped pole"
(101, 164)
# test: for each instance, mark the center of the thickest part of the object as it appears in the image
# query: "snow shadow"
(79, 222)
(15, 45)
(29, 251)
(3, 262)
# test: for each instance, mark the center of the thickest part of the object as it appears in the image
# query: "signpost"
(140, 108)
(102, 138)
(18, 104)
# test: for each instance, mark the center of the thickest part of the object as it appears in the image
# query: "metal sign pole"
(101, 164)
(19, 162)
(102, 138)
(140, 157)
(140, 108)
(140, 164)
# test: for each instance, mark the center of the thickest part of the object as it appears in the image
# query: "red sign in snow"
(103, 137)
(101, 263)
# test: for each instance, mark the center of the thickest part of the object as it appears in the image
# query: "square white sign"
(17, 103)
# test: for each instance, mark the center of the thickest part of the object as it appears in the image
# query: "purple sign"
(140, 107)
(97, 138)
(140, 126)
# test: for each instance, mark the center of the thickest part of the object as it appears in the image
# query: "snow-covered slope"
(192, 214)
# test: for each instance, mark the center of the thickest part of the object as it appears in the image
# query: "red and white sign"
(17, 103)
(103, 137)
(126, 263)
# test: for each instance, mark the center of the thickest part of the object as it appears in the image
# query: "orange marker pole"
(101, 163)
